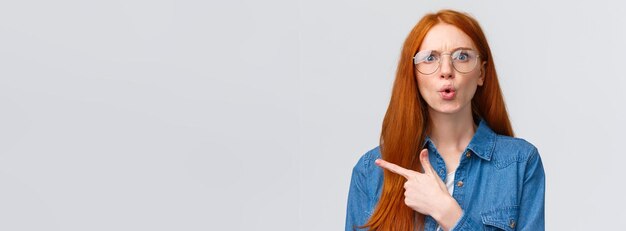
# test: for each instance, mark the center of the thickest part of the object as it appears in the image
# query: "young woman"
(447, 158)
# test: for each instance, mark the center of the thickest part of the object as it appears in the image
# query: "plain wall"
(249, 115)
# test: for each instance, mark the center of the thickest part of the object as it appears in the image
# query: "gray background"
(249, 115)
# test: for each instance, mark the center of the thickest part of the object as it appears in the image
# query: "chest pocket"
(504, 218)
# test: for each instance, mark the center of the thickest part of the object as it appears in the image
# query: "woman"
(447, 157)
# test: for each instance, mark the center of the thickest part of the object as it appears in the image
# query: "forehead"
(446, 37)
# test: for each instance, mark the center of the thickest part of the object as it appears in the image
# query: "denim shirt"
(499, 184)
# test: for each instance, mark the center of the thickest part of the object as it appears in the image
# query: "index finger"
(406, 173)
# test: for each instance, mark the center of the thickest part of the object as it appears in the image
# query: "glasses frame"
(416, 62)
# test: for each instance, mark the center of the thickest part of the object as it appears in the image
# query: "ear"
(481, 77)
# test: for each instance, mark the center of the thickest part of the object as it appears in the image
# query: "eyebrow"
(455, 49)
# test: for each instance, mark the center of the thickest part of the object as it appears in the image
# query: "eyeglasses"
(428, 62)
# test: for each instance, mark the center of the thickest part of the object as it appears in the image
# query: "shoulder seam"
(533, 153)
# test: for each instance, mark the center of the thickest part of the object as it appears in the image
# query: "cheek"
(471, 91)
(469, 87)
(423, 83)
(423, 87)
(472, 79)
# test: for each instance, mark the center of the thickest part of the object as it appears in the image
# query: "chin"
(447, 109)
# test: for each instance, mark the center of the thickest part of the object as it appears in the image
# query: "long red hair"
(405, 124)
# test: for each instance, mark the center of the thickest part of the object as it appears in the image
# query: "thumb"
(428, 169)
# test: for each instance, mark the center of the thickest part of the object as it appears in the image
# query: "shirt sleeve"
(467, 223)
(357, 200)
(532, 203)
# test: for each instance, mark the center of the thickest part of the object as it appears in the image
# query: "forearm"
(448, 214)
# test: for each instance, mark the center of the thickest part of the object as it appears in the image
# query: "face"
(447, 90)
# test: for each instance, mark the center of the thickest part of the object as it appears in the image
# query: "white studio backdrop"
(249, 115)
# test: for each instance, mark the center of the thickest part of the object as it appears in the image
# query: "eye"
(426, 57)
(461, 55)
(430, 58)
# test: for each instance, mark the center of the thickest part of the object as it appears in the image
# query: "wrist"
(448, 214)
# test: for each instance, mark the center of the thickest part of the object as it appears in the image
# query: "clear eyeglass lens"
(427, 62)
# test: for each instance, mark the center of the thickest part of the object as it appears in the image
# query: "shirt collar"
(482, 142)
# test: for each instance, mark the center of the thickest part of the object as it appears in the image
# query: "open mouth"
(448, 93)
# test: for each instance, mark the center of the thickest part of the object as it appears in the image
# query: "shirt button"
(468, 155)
(441, 172)
(459, 184)
(512, 224)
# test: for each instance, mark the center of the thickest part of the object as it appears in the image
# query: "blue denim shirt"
(499, 184)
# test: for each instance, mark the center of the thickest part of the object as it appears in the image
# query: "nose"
(447, 70)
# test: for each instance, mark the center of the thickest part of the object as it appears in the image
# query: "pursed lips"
(447, 89)
(447, 92)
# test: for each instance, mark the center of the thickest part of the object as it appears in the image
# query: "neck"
(451, 130)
